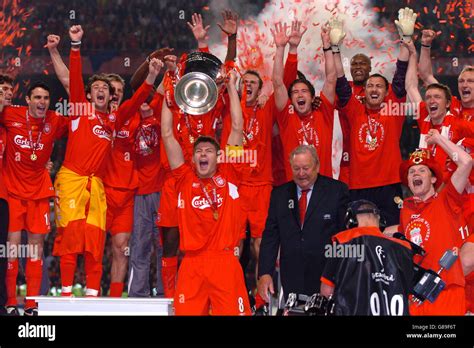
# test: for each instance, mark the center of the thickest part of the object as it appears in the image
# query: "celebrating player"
(81, 202)
(31, 132)
(375, 132)
(434, 221)
(210, 275)
(310, 127)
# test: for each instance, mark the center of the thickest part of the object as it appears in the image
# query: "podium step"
(49, 305)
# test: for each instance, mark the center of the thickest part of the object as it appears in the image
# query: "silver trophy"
(197, 89)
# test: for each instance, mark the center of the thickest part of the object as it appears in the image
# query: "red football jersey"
(147, 150)
(374, 138)
(24, 173)
(436, 225)
(198, 226)
(91, 132)
(257, 138)
(315, 129)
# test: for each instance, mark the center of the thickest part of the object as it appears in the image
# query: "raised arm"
(141, 73)
(61, 70)
(336, 35)
(406, 26)
(335, 26)
(172, 147)
(131, 106)
(411, 82)
(329, 87)
(170, 63)
(290, 71)
(235, 136)
(280, 91)
(425, 66)
(76, 82)
(229, 27)
(463, 160)
(200, 32)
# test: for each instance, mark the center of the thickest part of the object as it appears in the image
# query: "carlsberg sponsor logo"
(24, 143)
(37, 331)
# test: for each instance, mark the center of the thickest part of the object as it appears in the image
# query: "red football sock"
(93, 275)
(168, 275)
(67, 264)
(12, 274)
(259, 301)
(33, 272)
(116, 289)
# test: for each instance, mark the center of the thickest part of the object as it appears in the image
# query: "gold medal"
(244, 141)
(216, 215)
(191, 139)
(33, 157)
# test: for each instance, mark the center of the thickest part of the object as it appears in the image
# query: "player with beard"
(298, 122)
(210, 276)
(434, 221)
(81, 202)
(375, 130)
(31, 132)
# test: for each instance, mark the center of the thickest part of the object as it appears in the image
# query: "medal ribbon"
(305, 134)
(30, 134)
(213, 203)
(248, 130)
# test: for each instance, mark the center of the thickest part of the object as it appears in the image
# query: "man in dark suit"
(301, 234)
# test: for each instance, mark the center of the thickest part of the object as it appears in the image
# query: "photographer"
(377, 278)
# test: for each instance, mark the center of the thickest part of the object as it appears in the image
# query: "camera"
(303, 305)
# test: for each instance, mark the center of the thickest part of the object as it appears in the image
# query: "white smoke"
(255, 42)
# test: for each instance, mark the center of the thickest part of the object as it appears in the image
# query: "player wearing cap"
(434, 221)
(210, 276)
(377, 279)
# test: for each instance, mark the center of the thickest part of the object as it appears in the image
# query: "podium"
(51, 305)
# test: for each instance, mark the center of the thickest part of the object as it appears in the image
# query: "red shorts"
(211, 281)
(119, 210)
(451, 301)
(168, 211)
(255, 201)
(29, 215)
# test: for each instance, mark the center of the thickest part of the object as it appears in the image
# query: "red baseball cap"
(421, 157)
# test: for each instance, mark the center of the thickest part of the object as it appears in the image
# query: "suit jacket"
(302, 258)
